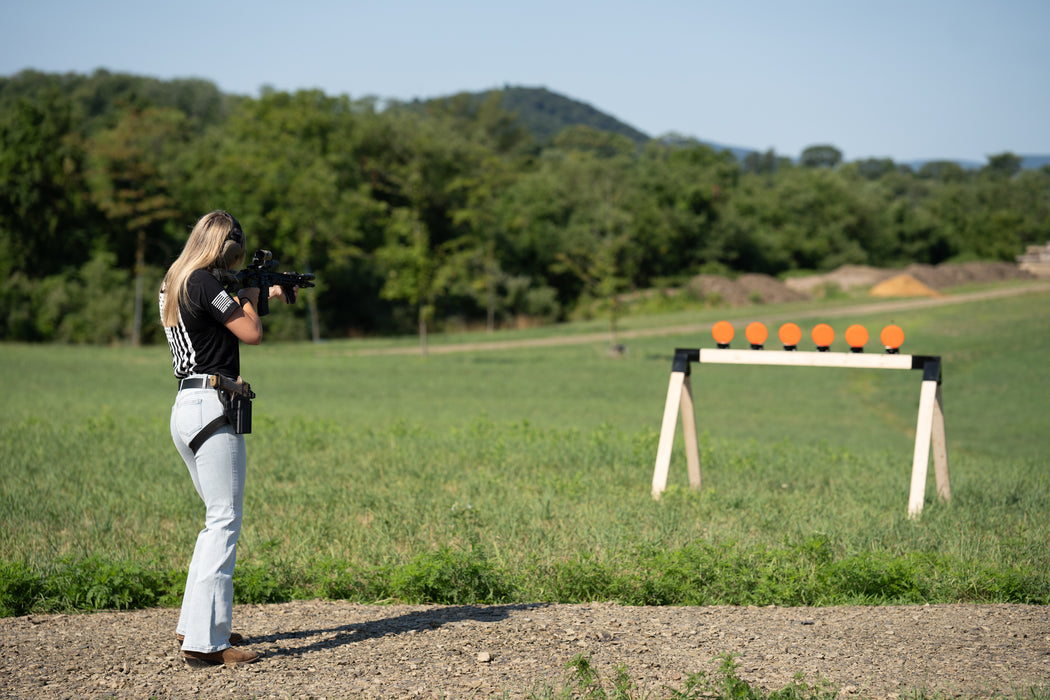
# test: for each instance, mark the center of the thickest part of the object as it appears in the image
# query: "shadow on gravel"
(417, 621)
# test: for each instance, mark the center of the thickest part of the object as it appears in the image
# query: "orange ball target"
(790, 334)
(723, 332)
(756, 333)
(892, 337)
(823, 335)
(856, 336)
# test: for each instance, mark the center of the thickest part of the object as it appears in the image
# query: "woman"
(204, 325)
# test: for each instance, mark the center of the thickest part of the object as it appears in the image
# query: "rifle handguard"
(262, 273)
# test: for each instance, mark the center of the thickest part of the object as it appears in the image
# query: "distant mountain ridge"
(544, 113)
(1034, 162)
(1028, 162)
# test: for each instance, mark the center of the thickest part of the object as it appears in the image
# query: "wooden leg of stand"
(921, 460)
(940, 450)
(663, 452)
(692, 449)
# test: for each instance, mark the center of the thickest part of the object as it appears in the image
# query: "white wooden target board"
(929, 430)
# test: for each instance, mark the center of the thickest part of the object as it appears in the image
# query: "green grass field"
(524, 474)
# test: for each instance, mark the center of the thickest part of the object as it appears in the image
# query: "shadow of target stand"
(929, 429)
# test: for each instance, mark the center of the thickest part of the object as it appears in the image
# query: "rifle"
(262, 273)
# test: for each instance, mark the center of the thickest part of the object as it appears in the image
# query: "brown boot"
(228, 656)
(235, 639)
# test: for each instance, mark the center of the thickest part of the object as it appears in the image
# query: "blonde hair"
(205, 249)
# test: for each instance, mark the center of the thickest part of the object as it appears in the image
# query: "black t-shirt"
(201, 343)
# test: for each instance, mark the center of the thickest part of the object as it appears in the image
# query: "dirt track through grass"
(874, 307)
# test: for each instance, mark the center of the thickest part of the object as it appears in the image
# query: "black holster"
(238, 411)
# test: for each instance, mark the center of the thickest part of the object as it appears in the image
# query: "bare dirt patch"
(846, 278)
(903, 285)
(746, 289)
(939, 278)
(337, 649)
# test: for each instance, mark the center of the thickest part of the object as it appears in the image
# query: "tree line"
(424, 215)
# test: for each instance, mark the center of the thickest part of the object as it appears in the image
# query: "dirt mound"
(903, 285)
(922, 280)
(845, 278)
(717, 289)
(948, 275)
(746, 289)
(936, 277)
(769, 290)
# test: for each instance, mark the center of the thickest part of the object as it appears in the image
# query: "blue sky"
(905, 79)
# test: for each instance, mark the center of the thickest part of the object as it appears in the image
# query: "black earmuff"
(233, 247)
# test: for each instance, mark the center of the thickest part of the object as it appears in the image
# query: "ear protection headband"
(233, 247)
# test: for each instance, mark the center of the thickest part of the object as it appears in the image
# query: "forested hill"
(545, 114)
(542, 113)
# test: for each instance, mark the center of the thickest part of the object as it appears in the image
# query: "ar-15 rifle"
(262, 273)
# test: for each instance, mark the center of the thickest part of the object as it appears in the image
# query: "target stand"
(929, 430)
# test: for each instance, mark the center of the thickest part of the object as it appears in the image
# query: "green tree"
(89, 305)
(45, 215)
(873, 168)
(1003, 164)
(597, 239)
(479, 214)
(678, 195)
(767, 163)
(943, 171)
(128, 183)
(418, 178)
(820, 156)
(411, 268)
(807, 219)
(995, 215)
(912, 232)
(492, 143)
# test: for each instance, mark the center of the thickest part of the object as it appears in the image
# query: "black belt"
(195, 383)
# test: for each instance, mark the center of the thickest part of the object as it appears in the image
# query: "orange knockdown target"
(822, 335)
(892, 337)
(856, 337)
(723, 333)
(790, 335)
(756, 334)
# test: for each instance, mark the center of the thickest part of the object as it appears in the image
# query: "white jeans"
(217, 471)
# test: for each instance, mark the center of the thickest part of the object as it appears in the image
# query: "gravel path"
(336, 649)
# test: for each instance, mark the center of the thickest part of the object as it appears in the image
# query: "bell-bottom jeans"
(217, 471)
